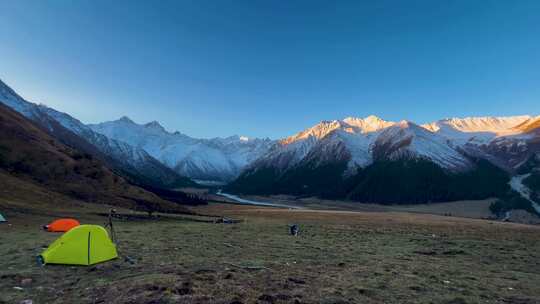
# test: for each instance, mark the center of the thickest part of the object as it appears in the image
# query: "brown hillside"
(32, 156)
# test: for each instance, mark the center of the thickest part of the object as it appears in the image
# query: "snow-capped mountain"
(532, 124)
(441, 152)
(135, 162)
(348, 156)
(148, 150)
(476, 130)
(360, 142)
(444, 142)
(218, 159)
(504, 141)
(408, 140)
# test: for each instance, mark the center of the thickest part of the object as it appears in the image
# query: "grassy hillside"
(32, 156)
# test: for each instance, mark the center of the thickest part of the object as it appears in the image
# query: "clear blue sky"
(272, 68)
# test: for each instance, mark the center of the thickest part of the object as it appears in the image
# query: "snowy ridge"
(365, 140)
(34, 111)
(369, 124)
(528, 126)
(16, 102)
(448, 142)
(480, 124)
(356, 134)
(219, 159)
(504, 141)
(408, 140)
(134, 160)
(476, 129)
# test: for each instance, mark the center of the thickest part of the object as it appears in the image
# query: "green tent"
(2, 218)
(82, 245)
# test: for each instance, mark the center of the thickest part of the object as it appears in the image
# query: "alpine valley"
(360, 159)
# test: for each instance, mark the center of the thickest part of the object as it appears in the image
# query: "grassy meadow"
(339, 257)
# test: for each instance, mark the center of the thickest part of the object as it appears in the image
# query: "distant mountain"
(368, 159)
(505, 141)
(132, 162)
(30, 157)
(375, 160)
(359, 142)
(530, 125)
(217, 159)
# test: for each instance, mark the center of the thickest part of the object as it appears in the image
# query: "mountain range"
(367, 159)
(135, 164)
(40, 170)
(375, 160)
(216, 159)
(446, 142)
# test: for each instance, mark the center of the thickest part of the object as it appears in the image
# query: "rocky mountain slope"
(30, 156)
(366, 159)
(134, 163)
(218, 159)
(380, 161)
(505, 141)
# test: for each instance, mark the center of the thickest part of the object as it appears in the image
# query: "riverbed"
(243, 201)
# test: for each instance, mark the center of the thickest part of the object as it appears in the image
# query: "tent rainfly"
(61, 225)
(82, 245)
(2, 218)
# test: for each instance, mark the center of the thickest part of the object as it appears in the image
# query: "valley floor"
(339, 257)
(477, 209)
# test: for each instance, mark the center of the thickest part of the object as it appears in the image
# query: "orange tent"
(61, 225)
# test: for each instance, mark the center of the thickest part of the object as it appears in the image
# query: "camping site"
(337, 257)
(269, 152)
